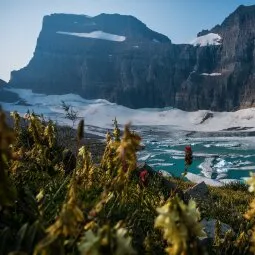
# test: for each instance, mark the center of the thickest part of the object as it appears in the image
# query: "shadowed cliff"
(116, 57)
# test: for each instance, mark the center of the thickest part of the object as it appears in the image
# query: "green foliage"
(54, 199)
(236, 186)
(226, 205)
(116, 131)
(7, 191)
(80, 130)
(24, 240)
(70, 113)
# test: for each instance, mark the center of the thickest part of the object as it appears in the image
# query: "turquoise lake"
(220, 156)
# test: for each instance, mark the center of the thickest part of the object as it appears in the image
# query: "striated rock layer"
(118, 58)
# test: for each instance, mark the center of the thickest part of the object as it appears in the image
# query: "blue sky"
(180, 20)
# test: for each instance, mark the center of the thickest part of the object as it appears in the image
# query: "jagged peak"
(118, 15)
(244, 8)
(2, 82)
(239, 12)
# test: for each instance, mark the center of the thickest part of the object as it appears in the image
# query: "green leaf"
(5, 239)
(21, 235)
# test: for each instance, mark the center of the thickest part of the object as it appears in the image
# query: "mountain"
(5, 95)
(235, 59)
(2, 83)
(118, 58)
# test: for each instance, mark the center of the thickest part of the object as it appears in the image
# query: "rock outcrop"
(118, 58)
(198, 192)
(5, 95)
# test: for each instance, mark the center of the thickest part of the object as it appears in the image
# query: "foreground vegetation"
(55, 200)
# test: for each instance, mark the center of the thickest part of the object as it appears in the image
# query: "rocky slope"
(118, 58)
(5, 95)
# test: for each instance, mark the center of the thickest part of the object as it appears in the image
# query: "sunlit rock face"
(118, 58)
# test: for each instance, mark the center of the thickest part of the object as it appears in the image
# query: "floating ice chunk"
(229, 181)
(177, 157)
(227, 145)
(144, 158)
(206, 167)
(165, 173)
(242, 163)
(157, 160)
(197, 179)
(221, 176)
(247, 168)
(223, 163)
(162, 164)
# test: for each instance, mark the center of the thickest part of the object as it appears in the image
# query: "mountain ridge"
(145, 69)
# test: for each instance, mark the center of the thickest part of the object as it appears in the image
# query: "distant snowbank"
(96, 35)
(211, 182)
(211, 74)
(100, 113)
(205, 40)
(197, 179)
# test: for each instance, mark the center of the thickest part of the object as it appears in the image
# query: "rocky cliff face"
(118, 58)
(5, 95)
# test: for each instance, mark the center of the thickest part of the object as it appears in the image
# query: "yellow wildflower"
(251, 182)
(180, 224)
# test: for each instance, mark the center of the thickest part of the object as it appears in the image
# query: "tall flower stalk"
(180, 225)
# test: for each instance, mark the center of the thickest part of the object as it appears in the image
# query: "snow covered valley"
(223, 143)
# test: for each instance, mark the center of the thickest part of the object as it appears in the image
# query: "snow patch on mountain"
(155, 40)
(96, 35)
(205, 40)
(210, 74)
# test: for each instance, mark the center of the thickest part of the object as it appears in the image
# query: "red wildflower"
(143, 175)
(188, 155)
(188, 148)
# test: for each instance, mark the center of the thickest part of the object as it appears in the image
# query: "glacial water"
(223, 158)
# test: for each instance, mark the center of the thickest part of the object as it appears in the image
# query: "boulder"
(207, 116)
(164, 173)
(199, 191)
(209, 228)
